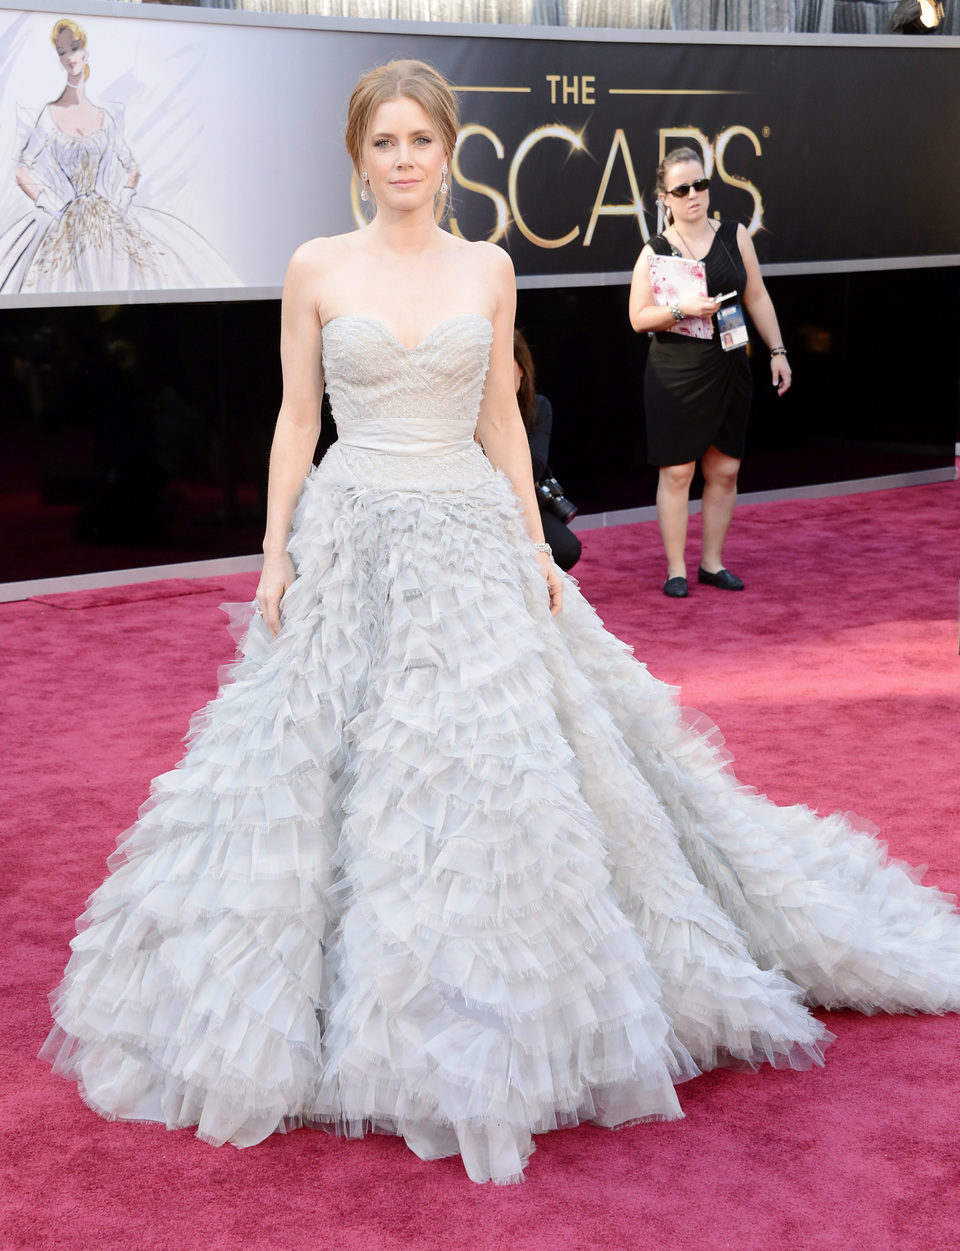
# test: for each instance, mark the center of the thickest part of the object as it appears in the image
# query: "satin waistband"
(347, 464)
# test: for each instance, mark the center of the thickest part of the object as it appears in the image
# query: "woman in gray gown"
(443, 859)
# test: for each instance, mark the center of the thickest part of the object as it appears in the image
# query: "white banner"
(235, 131)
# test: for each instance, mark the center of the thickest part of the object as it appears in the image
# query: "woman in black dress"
(696, 395)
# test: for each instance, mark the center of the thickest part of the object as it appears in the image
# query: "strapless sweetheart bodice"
(410, 401)
(406, 416)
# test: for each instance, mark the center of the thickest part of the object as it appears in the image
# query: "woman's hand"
(699, 306)
(781, 373)
(554, 581)
(277, 575)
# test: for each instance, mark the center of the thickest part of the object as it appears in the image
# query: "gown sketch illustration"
(439, 864)
(96, 236)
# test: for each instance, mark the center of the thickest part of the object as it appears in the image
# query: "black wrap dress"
(695, 394)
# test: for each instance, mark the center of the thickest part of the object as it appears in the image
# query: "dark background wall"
(138, 434)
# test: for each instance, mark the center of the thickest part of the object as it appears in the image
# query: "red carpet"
(835, 679)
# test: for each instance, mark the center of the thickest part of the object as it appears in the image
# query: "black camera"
(550, 497)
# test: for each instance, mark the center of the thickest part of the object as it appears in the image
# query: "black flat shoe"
(724, 579)
(676, 588)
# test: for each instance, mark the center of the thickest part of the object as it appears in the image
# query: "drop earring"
(363, 190)
(443, 186)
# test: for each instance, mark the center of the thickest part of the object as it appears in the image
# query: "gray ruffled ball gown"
(439, 864)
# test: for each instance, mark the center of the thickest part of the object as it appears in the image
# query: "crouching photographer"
(556, 511)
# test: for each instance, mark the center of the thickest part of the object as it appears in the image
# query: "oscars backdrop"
(234, 123)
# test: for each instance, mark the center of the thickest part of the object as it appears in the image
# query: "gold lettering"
(535, 137)
(601, 208)
(688, 132)
(468, 184)
(756, 221)
(358, 216)
(573, 89)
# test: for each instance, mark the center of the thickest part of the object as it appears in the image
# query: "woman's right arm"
(32, 152)
(646, 315)
(298, 424)
(26, 183)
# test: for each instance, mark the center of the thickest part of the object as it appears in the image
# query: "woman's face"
(72, 53)
(403, 155)
(692, 207)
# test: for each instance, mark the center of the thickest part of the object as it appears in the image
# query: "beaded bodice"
(80, 158)
(406, 416)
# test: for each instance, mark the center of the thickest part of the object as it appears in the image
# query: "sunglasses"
(684, 188)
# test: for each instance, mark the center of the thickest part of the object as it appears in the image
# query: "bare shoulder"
(743, 236)
(317, 255)
(745, 243)
(489, 267)
(314, 269)
(492, 258)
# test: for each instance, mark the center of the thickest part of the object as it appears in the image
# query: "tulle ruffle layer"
(438, 864)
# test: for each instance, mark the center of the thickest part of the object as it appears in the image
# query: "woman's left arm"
(500, 427)
(124, 155)
(758, 304)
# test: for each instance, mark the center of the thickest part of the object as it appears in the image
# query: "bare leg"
(673, 499)
(719, 497)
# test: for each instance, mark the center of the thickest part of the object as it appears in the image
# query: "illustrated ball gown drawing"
(87, 232)
(438, 864)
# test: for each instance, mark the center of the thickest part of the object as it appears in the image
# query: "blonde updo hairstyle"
(675, 157)
(411, 80)
(76, 31)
